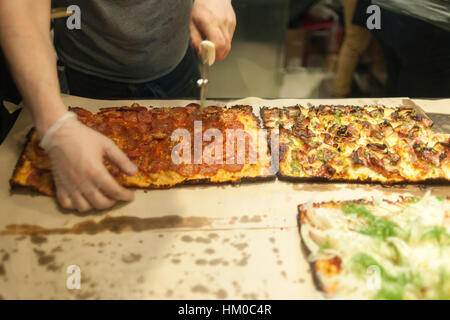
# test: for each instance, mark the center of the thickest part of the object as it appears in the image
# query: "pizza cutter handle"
(208, 51)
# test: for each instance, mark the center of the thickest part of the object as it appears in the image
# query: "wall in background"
(254, 66)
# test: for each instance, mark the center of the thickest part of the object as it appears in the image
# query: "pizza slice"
(358, 144)
(170, 146)
(379, 249)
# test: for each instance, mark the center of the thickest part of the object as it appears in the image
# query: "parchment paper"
(195, 242)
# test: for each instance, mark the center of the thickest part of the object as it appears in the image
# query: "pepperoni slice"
(133, 137)
(108, 110)
(179, 116)
(135, 107)
(119, 131)
(162, 124)
(187, 170)
(209, 169)
(113, 121)
(130, 116)
(81, 112)
(233, 167)
(134, 153)
(103, 127)
(134, 133)
(211, 118)
(234, 125)
(178, 112)
(160, 113)
(191, 108)
(158, 165)
(144, 117)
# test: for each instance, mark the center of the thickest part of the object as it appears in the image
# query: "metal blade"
(208, 50)
(203, 84)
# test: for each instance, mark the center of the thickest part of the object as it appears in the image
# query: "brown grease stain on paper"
(202, 240)
(239, 246)
(187, 239)
(221, 294)
(201, 262)
(213, 236)
(112, 224)
(199, 289)
(250, 296)
(213, 262)
(6, 257)
(57, 249)
(47, 260)
(43, 258)
(247, 219)
(36, 239)
(131, 258)
(243, 261)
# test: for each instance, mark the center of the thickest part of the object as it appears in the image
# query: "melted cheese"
(405, 169)
(412, 264)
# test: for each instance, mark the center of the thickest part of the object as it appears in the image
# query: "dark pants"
(417, 54)
(179, 83)
(8, 92)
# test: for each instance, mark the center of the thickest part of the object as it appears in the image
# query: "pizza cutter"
(208, 56)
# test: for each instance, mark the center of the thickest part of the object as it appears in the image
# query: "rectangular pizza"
(358, 144)
(379, 249)
(148, 136)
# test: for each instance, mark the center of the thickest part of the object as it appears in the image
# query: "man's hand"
(213, 20)
(82, 182)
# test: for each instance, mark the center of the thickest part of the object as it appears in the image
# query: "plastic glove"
(76, 153)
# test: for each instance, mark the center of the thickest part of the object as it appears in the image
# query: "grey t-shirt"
(129, 41)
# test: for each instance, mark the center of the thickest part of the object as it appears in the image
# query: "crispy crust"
(198, 182)
(21, 161)
(242, 180)
(312, 265)
(247, 110)
(320, 286)
(431, 182)
(18, 186)
(262, 114)
(207, 181)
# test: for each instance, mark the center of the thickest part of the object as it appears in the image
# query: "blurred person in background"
(356, 42)
(417, 53)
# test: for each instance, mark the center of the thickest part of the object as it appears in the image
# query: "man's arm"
(213, 20)
(25, 40)
(76, 152)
